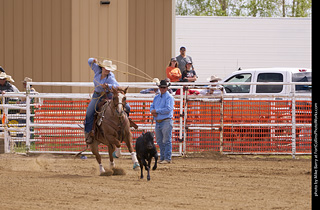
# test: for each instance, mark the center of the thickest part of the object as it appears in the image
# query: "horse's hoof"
(101, 169)
(136, 165)
(118, 171)
(106, 173)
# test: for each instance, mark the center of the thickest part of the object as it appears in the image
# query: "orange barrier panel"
(249, 126)
(70, 139)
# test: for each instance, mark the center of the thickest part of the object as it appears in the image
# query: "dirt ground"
(206, 181)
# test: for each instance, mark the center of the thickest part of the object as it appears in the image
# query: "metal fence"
(53, 123)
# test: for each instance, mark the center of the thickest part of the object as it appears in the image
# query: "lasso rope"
(147, 76)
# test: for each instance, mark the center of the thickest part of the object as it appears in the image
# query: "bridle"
(116, 103)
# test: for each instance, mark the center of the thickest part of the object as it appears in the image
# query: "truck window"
(246, 77)
(269, 77)
(302, 77)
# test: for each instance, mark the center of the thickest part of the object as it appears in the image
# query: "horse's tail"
(77, 155)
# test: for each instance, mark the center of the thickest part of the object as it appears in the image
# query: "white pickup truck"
(285, 75)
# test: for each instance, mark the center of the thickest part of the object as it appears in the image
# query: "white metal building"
(220, 45)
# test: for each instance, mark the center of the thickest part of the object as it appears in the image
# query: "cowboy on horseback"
(103, 77)
(113, 123)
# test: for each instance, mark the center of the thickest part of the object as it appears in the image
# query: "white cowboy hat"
(213, 78)
(108, 65)
(157, 81)
(27, 79)
(5, 76)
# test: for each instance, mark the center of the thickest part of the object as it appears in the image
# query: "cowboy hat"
(5, 76)
(156, 80)
(27, 79)
(108, 65)
(213, 78)
(163, 83)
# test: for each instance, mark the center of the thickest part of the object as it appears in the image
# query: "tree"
(253, 8)
(263, 8)
(301, 8)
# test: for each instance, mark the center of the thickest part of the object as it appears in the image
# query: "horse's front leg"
(111, 149)
(95, 151)
(133, 155)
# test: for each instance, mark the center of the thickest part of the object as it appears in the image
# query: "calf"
(146, 149)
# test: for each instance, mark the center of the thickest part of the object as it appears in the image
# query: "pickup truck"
(268, 75)
(270, 110)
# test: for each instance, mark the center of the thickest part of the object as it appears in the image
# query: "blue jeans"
(92, 108)
(163, 136)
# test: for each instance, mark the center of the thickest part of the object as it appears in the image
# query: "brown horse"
(112, 127)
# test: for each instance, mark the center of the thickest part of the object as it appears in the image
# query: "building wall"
(220, 45)
(51, 40)
(150, 38)
(35, 40)
(99, 31)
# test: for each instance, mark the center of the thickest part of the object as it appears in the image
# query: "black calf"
(146, 149)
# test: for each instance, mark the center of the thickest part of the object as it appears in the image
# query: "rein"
(113, 104)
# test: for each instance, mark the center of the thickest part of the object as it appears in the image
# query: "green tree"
(263, 8)
(253, 8)
(301, 8)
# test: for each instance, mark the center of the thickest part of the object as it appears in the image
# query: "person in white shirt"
(213, 91)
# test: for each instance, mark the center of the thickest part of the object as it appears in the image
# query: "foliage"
(253, 8)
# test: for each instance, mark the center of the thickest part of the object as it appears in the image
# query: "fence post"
(27, 117)
(185, 119)
(221, 124)
(6, 136)
(293, 121)
(180, 123)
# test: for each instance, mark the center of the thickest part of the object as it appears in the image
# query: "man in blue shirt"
(162, 111)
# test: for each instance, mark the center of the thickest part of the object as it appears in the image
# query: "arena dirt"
(203, 181)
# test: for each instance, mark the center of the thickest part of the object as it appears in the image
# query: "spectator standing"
(189, 75)
(162, 111)
(183, 58)
(172, 71)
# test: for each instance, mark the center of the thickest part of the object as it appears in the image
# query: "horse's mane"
(119, 89)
